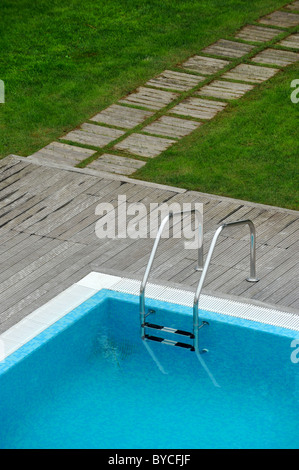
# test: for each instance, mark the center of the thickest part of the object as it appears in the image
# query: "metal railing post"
(199, 266)
(251, 278)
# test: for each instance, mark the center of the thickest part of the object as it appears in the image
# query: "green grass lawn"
(62, 62)
(249, 151)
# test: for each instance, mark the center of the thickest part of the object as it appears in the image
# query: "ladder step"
(168, 329)
(169, 342)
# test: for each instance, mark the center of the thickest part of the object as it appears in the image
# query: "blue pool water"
(89, 381)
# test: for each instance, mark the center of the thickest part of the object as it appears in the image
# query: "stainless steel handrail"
(199, 266)
(251, 278)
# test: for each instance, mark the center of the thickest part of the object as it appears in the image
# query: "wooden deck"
(48, 240)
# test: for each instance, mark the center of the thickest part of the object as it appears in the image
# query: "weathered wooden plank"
(232, 254)
(289, 240)
(36, 279)
(74, 228)
(228, 277)
(287, 284)
(34, 250)
(64, 152)
(135, 260)
(13, 174)
(122, 116)
(8, 162)
(86, 230)
(198, 108)
(269, 292)
(230, 49)
(273, 225)
(22, 189)
(35, 289)
(282, 19)
(112, 168)
(6, 237)
(10, 239)
(121, 243)
(293, 6)
(295, 305)
(144, 145)
(254, 33)
(11, 255)
(259, 217)
(224, 90)
(103, 186)
(289, 294)
(15, 278)
(115, 164)
(94, 135)
(13, 200)
(150, 98)
(276, 57)
(11, 167)
(177, 81)
(50, 200)
(268, 258)
(205, 65)
(289, 226)
(54, 219)
(177, 266)
(171, 127)
(122, 161)
(290, 41)
(59, 279)
(250, 73)
(10, 219)
(266, 278)
(219, 212)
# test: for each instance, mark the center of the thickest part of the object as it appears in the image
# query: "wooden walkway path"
(148, 121)
(48, 240)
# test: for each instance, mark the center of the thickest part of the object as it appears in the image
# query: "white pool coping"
(75, 295)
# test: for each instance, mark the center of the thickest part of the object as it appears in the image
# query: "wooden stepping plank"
(123, 161)
(92, 134)
(226, 48)
(57, 152)
(198, 108)
(291, 41)
(122, 116)
(144, 145)
(175, 81)
(250, 73)
(149, 98)
(293, 6)
(172, 127)
(116, 164)
(257, 33)
(225, 90)
(281, 18)
(205, 65)
(276, 57)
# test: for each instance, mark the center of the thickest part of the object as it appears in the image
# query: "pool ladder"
(197, 325)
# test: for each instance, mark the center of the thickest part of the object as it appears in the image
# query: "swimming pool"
(89, 381)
